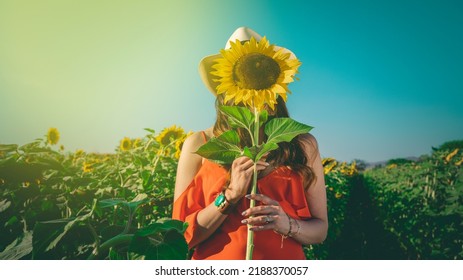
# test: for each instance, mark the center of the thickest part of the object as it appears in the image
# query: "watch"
(222, 204)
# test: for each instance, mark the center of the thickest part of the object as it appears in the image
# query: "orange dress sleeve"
(202, 191)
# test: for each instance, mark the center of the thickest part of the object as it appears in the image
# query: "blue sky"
(379, 80)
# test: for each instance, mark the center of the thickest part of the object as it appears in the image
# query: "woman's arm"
(210, 218)
(272, 215)
(314, 230)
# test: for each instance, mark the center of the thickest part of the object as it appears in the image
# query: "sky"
(379, 79)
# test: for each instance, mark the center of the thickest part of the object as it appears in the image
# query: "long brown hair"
(289, 154)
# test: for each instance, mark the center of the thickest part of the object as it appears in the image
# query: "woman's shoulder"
(308, 141)
(309, 144)
(196, 140)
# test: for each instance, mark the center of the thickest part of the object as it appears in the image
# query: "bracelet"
(290, 225)
(298, 229)
(284, 236)
(223, 205)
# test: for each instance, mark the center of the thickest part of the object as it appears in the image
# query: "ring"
(267, 219)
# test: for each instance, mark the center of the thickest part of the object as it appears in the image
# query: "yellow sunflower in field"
(87, 167)
(254, 73)
(52, 136)
(126, 144)
(170, 134)
(137, 142)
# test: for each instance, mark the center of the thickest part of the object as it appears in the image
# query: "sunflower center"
(255, 71)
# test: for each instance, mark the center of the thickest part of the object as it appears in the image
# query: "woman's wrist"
(231, 195)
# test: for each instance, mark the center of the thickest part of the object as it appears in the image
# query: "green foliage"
(452, 145)
(62, 205)
(398, 161)
(421, 204)
(58, 205)
(339, 179)
(225, 148)
(284, 130)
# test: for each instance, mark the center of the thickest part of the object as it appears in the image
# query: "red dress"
(228, 242)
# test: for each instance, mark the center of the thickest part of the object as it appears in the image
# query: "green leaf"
(256, 153)
(284, 130)
(223, 149)
(4, 204)
(11, 221)
(263, 117)
(150, 130)
(8, 147)
(111, 202)
(161, 241)
(265, 148)
(160, 227)
(19, 248)
(140, 199)
(47, 234)
(250, 152)
(238, 116)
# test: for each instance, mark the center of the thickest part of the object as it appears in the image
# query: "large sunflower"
(254, 73)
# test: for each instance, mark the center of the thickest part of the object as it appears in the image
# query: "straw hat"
(205, 65)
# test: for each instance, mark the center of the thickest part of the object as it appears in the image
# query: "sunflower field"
(56, 204)
(421, 203)
(61, 205)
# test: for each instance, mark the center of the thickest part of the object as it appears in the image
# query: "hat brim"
(205, 68)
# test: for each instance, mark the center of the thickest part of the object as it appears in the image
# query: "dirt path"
(363, 237)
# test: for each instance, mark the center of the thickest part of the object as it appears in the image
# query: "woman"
(291, 201)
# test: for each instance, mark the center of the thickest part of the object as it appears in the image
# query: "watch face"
(219, 200)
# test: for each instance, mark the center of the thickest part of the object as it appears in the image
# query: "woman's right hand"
(240, 179)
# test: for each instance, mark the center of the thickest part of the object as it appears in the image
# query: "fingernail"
(244, 213)
(244, 221)
(248, 196)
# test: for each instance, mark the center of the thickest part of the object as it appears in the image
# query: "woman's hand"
(270, 215)
(240, 179)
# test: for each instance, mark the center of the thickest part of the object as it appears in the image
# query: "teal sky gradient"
(379, 80)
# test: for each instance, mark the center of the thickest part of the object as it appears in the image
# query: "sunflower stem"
(250, 241)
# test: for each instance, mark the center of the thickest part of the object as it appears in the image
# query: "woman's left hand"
(269, 215)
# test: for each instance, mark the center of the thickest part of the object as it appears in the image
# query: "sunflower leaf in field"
(150, 130)
(140, 199)
(8, 147)
(48, 234)
(161, 241)
(223, 149)
(4, 204)
(284, 130)
(19, 248)
(105, 203)
(11, 221)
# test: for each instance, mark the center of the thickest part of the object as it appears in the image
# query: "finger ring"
(267, 219)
